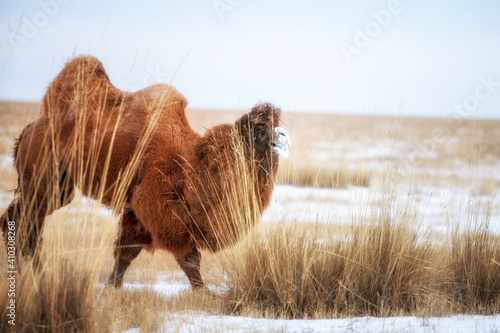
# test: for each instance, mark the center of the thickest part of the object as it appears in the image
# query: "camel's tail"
(81, 86)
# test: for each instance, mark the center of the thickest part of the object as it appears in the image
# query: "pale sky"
(415, 58)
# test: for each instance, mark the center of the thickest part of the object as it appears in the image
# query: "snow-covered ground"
(438, 209)
(200, 322)
(455, 324)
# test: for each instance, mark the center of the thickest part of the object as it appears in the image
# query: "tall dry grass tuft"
(272, 276)
(388, 269)
(383, 269)
(119, 310)
(59, 300)
(475, 270)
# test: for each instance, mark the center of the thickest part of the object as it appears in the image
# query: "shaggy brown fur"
(137, 154)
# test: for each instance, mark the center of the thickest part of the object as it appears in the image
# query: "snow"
(167, 289)
(192, 322)
(315, 205)
(436, 207)
(90, 206)
(201, 322)
(6, 161)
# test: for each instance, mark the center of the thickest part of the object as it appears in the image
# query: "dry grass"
(382, 269)
(323, 177)
(488, 187)
(379, 272)
(60, 300)
(475, 268)
(286, 270)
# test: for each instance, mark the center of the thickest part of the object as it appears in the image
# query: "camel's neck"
(222, 157)
(220, 145)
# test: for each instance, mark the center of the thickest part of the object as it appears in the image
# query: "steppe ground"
(342, 171)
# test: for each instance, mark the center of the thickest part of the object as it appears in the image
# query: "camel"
(135, 152)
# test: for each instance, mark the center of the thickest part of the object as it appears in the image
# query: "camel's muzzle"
(281, 141)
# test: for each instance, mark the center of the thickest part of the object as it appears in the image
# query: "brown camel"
(137, 154)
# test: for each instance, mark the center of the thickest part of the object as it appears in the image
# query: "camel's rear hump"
(98, 130)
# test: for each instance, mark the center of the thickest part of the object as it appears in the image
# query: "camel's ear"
(101, 74)
(266, 113)
(242, 123)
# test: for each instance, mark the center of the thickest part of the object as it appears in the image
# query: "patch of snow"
(167, 289)
(163, 288)
(87, 206)
(193, 322)
(457, 169)
(441, 210)
(345, 150)
(6, 161)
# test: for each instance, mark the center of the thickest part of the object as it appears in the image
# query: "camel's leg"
(22, 230)
(27, 214)
(190, 265)
(132, 238)
(48, 200)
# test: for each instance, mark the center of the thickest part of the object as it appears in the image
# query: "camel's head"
(260, 127)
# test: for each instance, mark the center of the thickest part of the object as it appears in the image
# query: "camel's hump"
(162, 95)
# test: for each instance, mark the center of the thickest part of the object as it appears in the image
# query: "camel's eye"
(257, 133)
(261, 134)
